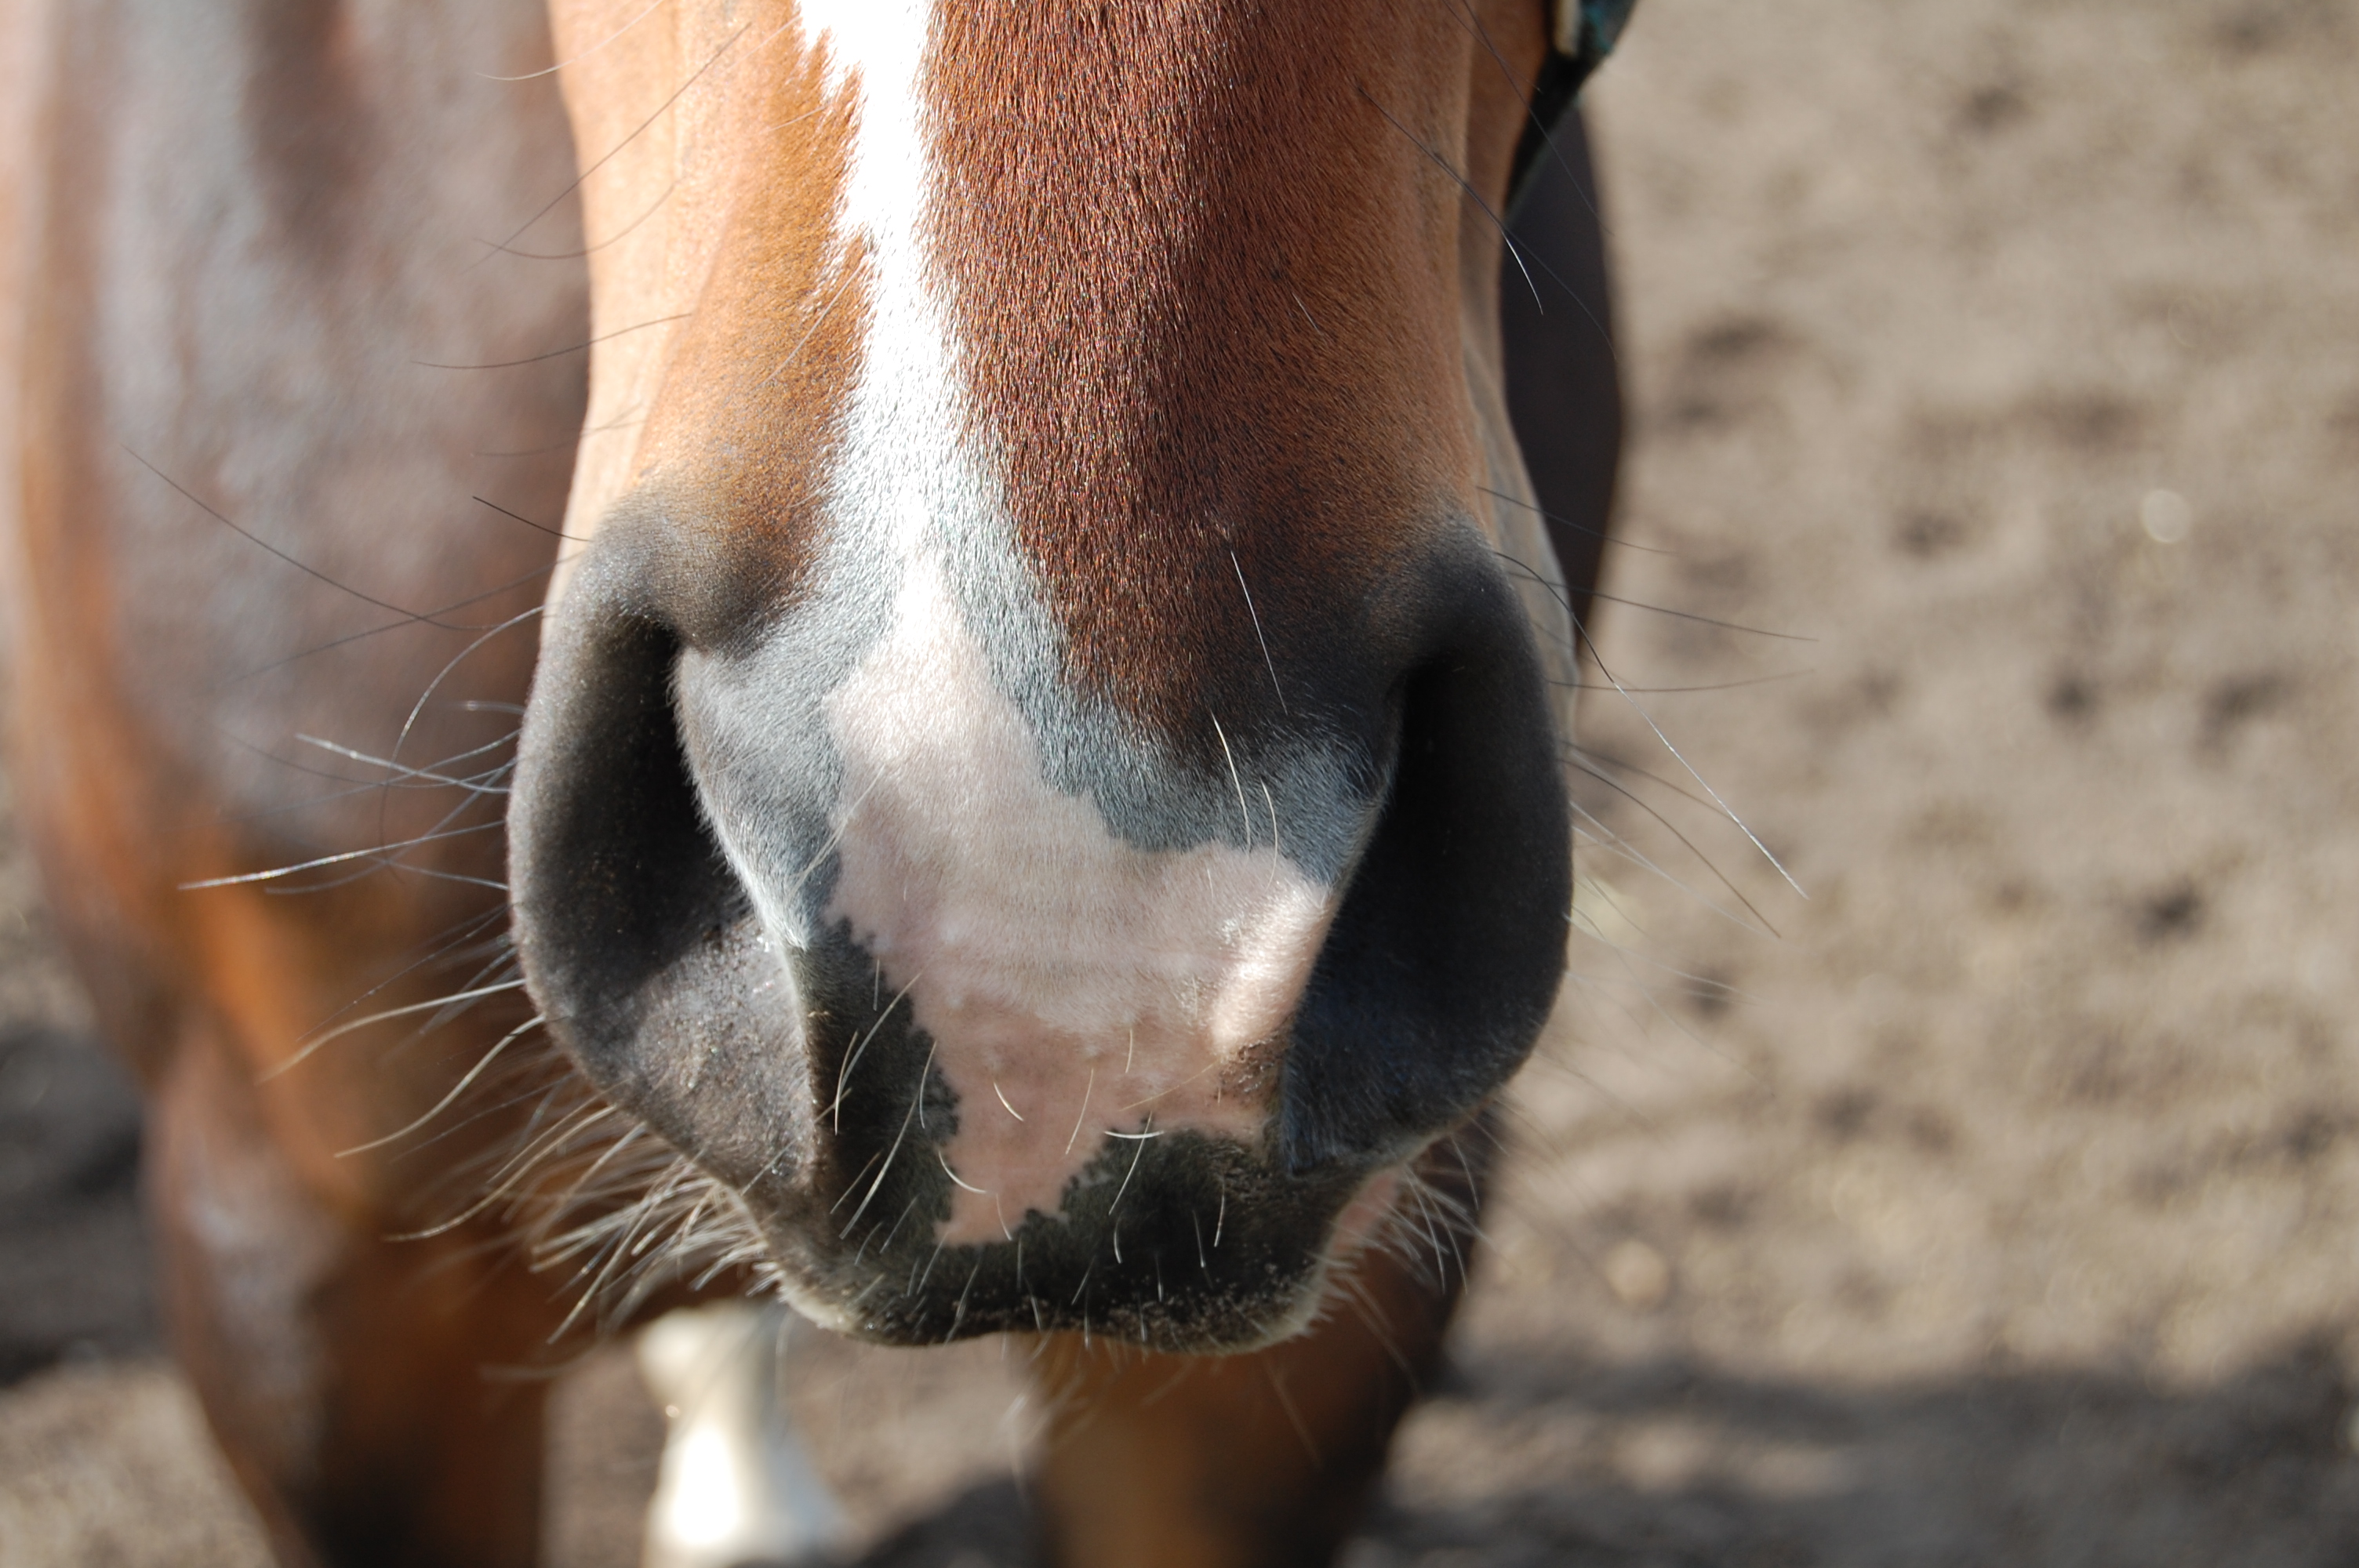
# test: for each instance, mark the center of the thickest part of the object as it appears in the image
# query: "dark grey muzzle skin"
(657, 977)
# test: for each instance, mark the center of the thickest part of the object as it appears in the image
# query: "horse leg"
(351, 1379)
(1264, 1460)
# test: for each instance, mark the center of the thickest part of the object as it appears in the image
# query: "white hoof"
(736, 1486)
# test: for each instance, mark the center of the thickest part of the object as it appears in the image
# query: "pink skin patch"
(1077, 989)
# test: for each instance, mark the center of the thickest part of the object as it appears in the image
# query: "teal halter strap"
(1583, 33)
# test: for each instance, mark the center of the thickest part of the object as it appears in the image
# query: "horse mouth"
(1177, 1240)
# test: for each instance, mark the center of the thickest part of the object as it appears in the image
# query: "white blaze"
(1074, 986)
(1075, 989)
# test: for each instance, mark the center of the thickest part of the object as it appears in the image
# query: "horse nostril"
(614, 875)
(1448, 947)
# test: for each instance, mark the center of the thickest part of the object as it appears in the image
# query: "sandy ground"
(1992, 361)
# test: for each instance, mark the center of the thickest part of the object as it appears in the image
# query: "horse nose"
(862, 906)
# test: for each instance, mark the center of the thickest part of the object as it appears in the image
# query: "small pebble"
(1637, 1275)
(2168, 517)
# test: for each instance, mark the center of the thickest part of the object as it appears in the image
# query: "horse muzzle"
(995, 1008)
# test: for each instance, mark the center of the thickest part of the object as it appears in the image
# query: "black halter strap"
(1585, 34)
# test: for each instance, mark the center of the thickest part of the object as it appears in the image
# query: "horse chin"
(1138, 1302)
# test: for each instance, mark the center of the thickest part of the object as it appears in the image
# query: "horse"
(893, 657)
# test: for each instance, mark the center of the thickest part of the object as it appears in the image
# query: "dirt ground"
(1992, 362)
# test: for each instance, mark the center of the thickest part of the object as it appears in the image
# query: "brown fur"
(345, 1375)
(745, 388)
(1224, 320)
